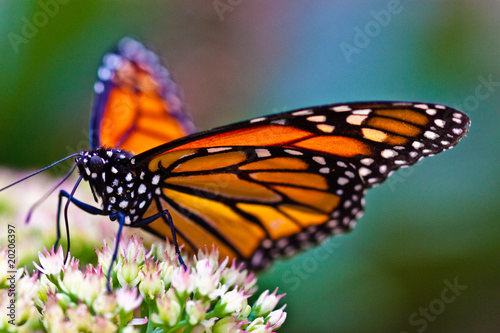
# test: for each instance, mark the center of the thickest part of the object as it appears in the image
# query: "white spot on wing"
(362, 112)
(262, 153)
(302, 113)
(342, 181)
(364, 171)
(439, 122)
(388, 153)
(417, 145)
(293, 152)
(326, 128)
(155, 180)
(217, 149)
(367, 161)
(279, 122)
(319, 159)
(356, 119)
(256, 120)
(341, 108)
(317, 119)
(98, 87)
(324, 170)
(142, 189)
(431, 135)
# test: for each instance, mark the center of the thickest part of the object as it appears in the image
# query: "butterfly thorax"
(116, 181)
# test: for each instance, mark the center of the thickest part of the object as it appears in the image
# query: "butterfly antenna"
(42, 199)
(38, 171)
(66, 215)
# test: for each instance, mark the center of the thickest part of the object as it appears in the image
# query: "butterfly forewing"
(137, 106)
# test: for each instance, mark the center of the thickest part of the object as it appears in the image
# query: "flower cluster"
(151, 292)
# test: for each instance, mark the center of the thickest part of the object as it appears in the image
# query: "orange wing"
(245, 199)
(272, 185)
(137, 105)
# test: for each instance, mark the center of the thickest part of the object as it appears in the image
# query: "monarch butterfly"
(257, 189)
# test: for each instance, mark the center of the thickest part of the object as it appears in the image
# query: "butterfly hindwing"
(137, 105)
(256, 203)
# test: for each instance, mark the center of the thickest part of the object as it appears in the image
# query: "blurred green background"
(437, 221)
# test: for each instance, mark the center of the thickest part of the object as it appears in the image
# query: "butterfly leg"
(121, 221)
(167, 218)
(83, 206)
(170, 222)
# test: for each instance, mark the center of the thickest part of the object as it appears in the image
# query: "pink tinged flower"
(128, 299)
(53, 316)
(150, 285)
(258, 326)
(206, 280)
(232, 302)
(52, 263)
(245, 312)
(104, 257)
(105, 305)
(103, 325)
(80, 317)
(266, 303)
(72, 281)
(196, 311)
(133, 250)
(182, 282)
(127, 273)
(205, 326)
(28, 285)
(212, 256)
(249, 283)
(164, 252)
(217, 293)
(91, 286)
(276, 318)
(46, 288)
(169, 309)
(27, 291)
(166, 271)
(138, 322)
(232, 275)
(227, 325)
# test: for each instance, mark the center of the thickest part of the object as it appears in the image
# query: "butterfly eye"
(96, 164)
